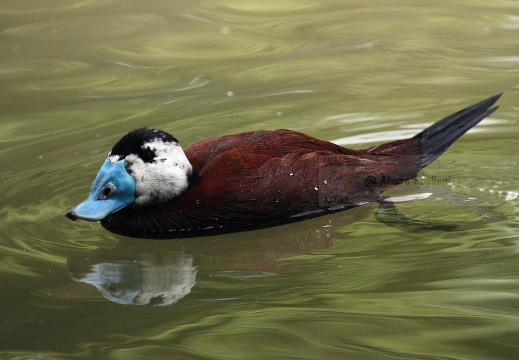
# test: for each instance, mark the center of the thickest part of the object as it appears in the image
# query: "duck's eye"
(147, 155)
(107, 191)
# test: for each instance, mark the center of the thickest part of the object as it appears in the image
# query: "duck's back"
(236, 154)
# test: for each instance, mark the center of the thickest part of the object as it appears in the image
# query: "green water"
(440, 279)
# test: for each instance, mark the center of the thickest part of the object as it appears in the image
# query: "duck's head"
(146, 167)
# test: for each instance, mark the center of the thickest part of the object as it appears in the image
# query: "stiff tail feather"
(429, 144)
(437, 138)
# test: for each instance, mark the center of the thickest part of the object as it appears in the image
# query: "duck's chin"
(155, 198)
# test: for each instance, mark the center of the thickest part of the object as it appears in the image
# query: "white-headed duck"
(149, 187)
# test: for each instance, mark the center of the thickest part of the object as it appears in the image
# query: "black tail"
(434, 140)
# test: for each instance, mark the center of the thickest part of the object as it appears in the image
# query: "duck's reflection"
(151, 279)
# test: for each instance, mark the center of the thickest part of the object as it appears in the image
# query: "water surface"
(436, 278)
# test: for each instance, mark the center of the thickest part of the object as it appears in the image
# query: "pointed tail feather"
(429, 144)
(437, 138)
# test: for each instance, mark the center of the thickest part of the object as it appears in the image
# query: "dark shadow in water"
(161, 272)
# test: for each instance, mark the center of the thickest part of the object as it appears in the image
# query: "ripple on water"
(209, 44)
(278, 7)
(87, 30)
(29, 69)
(33, 203)
(29, 8)
(224, 35)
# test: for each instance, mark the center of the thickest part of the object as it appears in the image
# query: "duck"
(149, 187)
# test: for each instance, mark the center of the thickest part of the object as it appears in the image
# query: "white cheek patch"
(113, 158)
(162, 180)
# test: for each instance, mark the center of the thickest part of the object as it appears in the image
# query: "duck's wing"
(300, 183)
(234, 154)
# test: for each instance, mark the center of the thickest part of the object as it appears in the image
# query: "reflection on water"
(431, 278)
(147, 281)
